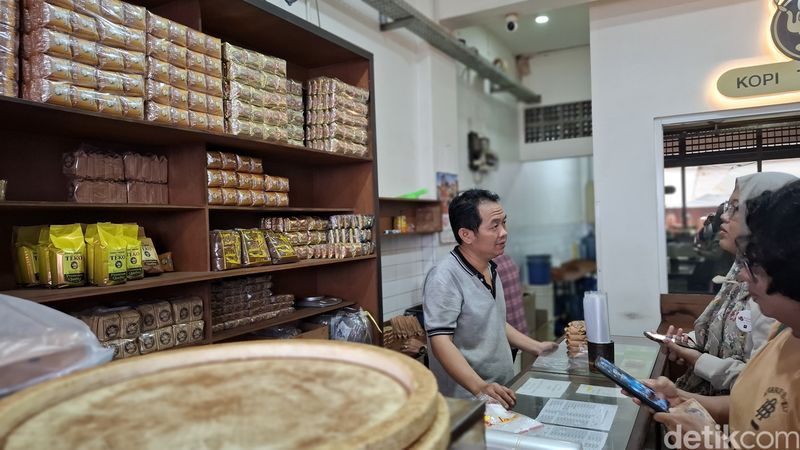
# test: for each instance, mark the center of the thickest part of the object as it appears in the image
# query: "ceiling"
(568, 27)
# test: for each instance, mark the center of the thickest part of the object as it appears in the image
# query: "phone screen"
(632, 385)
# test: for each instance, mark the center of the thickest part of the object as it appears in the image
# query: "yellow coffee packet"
(110, 254)
(90, 237)
(226, 250)
(67, 255)
(133, 253)
(254, 248)
(43, 251)
(26, 254)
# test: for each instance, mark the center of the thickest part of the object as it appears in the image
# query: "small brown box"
(196, 304)
(181, 310)
(196, 331)
(147, 342)
(181, 333)
(107, 326)
(149, 320)
(131, 323)
(128, 348)
(165, 338)
(163, 314)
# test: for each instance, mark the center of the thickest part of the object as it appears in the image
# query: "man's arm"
(527, 344)
(459, 369)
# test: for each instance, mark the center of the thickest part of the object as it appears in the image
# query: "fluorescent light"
(541, 19)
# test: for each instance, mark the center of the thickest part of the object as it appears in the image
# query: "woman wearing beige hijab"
(732, 329)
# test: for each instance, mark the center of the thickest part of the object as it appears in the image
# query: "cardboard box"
(317, 333)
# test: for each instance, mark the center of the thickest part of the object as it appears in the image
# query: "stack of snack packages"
(184, 76)
(337, 117)
(240, 302)
(338, 237)
(255, 94)
(86, 54)
(232, 249)
(148, 327)
(236, 180)
(294, 108)
(95, 176)
(9, 47)
(101, 254)
(575, 333)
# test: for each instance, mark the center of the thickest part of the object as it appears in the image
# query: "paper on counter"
(570, 413)
(590, 440)
(601, 391)
(538, 387)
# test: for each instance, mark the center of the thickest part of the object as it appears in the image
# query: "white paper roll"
(595, 313)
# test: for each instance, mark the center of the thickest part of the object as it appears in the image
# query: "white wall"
(650, 59)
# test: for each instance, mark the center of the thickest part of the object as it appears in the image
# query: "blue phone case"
(632, 385)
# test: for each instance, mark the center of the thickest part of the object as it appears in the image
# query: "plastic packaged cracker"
(195, 61)
(158, 48)
(135, 16)
(228, 196)
(228, 161)
(213, 160)
(132, 107)
(109, 104)
(177, 33)
(226, 250)
(254, 248)
(214, 85)
(214, 178)
(243, 181)
(198, 120)
(46, 41)
(178, 77)
(244, 197)
(197, 101)
(195, 40)
(176, 55)
(280, 249)
(179, 116)
(213, 66)
(213, 47)
(259, 198)
(196, 81)
(157, 70)
(156, 112)
(214, 196)
(214, 105)
(157, 26)
(230, 179)
(216, 123)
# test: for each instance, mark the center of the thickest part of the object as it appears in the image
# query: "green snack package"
(110, 255)
(43, 250)
(130, 233)
(67, 255)
(26, 255)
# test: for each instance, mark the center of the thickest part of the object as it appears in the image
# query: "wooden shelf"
(288, 209)
(44, 295)
(300, 313)
(23, 116)
(53, 206)
(424, 216)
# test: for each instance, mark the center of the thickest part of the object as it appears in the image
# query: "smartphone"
(632, 385)
(661, 338)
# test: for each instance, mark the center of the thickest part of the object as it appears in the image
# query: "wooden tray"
(276, 395)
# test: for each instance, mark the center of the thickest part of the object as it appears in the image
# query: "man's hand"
(545, 348)
(502, 394)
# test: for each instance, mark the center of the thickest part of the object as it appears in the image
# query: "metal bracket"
(387, 24)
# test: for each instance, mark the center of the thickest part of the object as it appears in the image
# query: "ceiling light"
(541, 19)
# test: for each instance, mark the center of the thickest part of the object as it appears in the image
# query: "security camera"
(512, 23)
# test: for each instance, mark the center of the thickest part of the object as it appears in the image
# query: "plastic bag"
(351, 325)
(38, 343)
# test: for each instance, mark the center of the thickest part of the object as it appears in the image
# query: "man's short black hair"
(463, 209)
(774, 241)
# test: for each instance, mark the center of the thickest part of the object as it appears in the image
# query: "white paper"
(571, 413)
(601, 391)
(590, 440)
(538, 387)
(595, 312)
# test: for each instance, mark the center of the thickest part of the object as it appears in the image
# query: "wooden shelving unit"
(422, 216)
(35, 136)
(299, 314)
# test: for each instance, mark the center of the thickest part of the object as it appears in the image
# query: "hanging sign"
(772, 78)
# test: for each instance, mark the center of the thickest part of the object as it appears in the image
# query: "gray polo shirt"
(457, 301)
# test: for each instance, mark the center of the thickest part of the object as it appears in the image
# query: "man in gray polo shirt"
(465, 311)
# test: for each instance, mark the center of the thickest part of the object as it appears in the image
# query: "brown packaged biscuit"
(228, 161)
(157, 26)
(134, 62)
(244, 197)
(271, 199)
(228, 196)
(83, 98)
(165, 338)
(181, 333)
(282, 199)
(156, 112)
(49, 68)
(226, 250)
(84, 51)
(46, 41)
(132, 107)
(158, 70)
(196, 331)
(110, 82)
(213, 47)
(84, 27)
(149, 320)
(256, 182)
(214, 105)
(243, 181)
(270, 183)
(244, 164)
(195, 40)
(133, 85)
(179, 98)
(230, 179)
(130, 322)
(176, 55)
(179, 117)
(109, 104)
(280, 249)
(158, 48)
(113, 10)
(215, 196)
(214, 85)
(216, 123)
(213, 66)
(254, 248)
(116, 347)
(214, 178)
(198, 120)
(197, 101)
(181, 310)
(177, 33)
(163, 312)
(135, 16)
(107, 326)
(195, 61)
(196, 307)
(196, 81)
(113, 35)
(88, 7)
(213, 160)
(259, 198)
(128, 347)
(147, 342)
(45, 15)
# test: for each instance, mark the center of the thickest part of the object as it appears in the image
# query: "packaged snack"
(43, 251)
(244, 197)
(216, 123)
(259, 199)
(165, 259)
(108, 264)
(228, 161)
(230, 179)
(148, 317)
(177, 33)
(280, 249)
(133, 251)
(196, 304)
(67, 255)
(181, 333)
(150, 262)
(229, 196)
(226, 250)
(147, 342)
(26, 254)
(196, 330)
(195, 40)
(157, 26)
(198, 120)
(214, 106)
(254, 248)
(215, 196)
(213, 160)
(165, 338)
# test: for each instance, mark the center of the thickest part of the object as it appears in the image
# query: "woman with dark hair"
(763, 409)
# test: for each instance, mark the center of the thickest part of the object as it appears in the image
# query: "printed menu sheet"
(601, 391)
(590, 440)
(538, 387)
(571, 413)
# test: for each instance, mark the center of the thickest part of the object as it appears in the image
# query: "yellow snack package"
(26, 255)
(130, 233)
(67, 255)
(254, 248)
(43, 250)
(90, 237)
(110, 253)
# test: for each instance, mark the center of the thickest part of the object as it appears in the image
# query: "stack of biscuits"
(575, 334)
